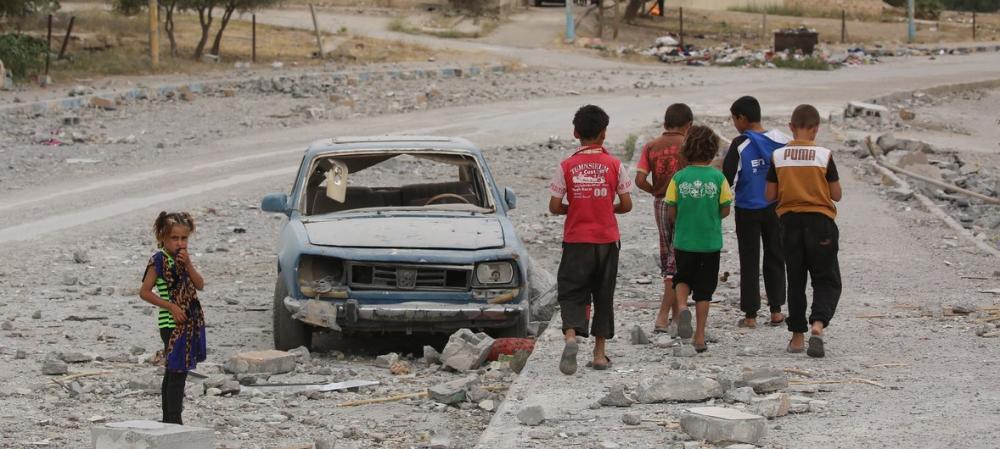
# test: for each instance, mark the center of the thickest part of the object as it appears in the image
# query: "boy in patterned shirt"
(699, 198)
(590, 180)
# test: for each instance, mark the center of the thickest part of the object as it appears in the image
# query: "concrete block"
(531, 416)
(454, 391)
(103, 103)
(386, 360)
(717, 424)
(677, 389)
(772, 405)
(431, 356)
(269, 361)
(743, 394)
(765, 380)
(150, 435)
(466, 350)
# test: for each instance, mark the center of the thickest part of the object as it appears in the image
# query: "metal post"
(319, 39)
(69, 30)
(973, 25)
(48, 52)
(763, 26)
(911, 28)
(681, 18)
(570, 31)
(253, 39)
(843, 26)
(154, 33)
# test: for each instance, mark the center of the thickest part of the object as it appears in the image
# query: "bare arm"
(724, 211)
(642, 181)
(557, 207)
(184, 258)
(624, 203)
(672, 213)
(835, 192)
(146, 293)
(771, 191)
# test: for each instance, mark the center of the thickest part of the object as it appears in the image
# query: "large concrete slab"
(150, 435)
(717, 424)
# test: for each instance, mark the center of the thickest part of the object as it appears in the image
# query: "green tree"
(22, 8)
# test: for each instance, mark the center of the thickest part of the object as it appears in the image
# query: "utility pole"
(154, 33)
(570, 31)
(911, 28)
(973, 25)
(843, 26)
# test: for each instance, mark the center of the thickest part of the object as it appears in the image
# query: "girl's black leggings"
(172, 390)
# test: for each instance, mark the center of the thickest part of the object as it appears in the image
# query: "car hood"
(468, 233)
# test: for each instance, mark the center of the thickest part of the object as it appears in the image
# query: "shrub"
(21, 53)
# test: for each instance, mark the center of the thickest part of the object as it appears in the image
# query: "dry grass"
(127, 46)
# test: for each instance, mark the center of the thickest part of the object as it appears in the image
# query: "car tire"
(289, 333)
(518, 330)
(538, 3)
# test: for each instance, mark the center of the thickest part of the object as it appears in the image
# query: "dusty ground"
(220, 154)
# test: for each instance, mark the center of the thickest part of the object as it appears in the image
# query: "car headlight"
(494, 273)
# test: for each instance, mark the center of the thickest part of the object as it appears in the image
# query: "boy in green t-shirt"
(699, 198)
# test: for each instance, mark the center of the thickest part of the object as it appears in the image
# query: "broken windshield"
(412, 180)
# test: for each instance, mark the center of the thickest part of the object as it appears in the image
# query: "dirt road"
(894, 256)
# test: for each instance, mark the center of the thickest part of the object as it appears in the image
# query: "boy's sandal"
(776, 323)
(567, 364)
(661, 329)
(815, 347)
(684, 329)
(743, 323)
(600, 366)
(700, 348)
(793, 350)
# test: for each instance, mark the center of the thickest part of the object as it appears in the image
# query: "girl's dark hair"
(700, 145)
(166, 220)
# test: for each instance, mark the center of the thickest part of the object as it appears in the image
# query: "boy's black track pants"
(811, 243)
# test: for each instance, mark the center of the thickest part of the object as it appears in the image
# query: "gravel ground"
(91, 273)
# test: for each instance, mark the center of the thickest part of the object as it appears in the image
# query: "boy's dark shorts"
(700, 271)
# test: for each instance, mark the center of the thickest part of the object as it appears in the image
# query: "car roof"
(390, 142)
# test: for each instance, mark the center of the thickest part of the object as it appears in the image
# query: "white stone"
(150, 435)
(772, 405)
(531, 416)
(716, 424)
(466, 350)
(269, 361)
(677, 389)
(742, 394)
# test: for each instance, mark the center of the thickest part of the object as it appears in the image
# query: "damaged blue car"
(397, 234)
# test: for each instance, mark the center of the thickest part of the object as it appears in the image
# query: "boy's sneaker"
(684, 329)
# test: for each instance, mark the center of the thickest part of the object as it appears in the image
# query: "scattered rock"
(637, 336)
(906, 114)
(454, 391)
(268, 361)
(743, 394)
(531, 416)
(674, 388)
(466, 350)
(431, 356)
(964, 309)
(230, 387)
(36, 315)
(488, 405)
(20, 354)
(887, 142)
(631, 419)
(386, 360)
(900, 194)
(717, 424)
(75, 357)
(7, 325)
(81, 256)
(302, 353)
(54, 367)
(684, 351)
(772, 405)
(400, 368)
(617, 397)
(765, 380)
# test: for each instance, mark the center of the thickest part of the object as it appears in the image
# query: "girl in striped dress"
(171, 283)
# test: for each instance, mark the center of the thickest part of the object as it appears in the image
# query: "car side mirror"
(275, 202)
(510, 198)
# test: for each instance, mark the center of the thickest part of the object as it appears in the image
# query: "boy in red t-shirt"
(589, 180)
(661, 157)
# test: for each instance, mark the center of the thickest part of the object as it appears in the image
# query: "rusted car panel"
(397, 234)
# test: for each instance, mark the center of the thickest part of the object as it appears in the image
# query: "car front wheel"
(289, 333)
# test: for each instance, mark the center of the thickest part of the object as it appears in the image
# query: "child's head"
(172, 231)
(700, 145)
(590, 124)
(745, 112)
(805, 122)
(678, 117)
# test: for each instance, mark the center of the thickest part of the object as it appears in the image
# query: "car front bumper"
(349, 315)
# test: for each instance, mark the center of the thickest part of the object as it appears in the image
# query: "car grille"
(409, 277)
